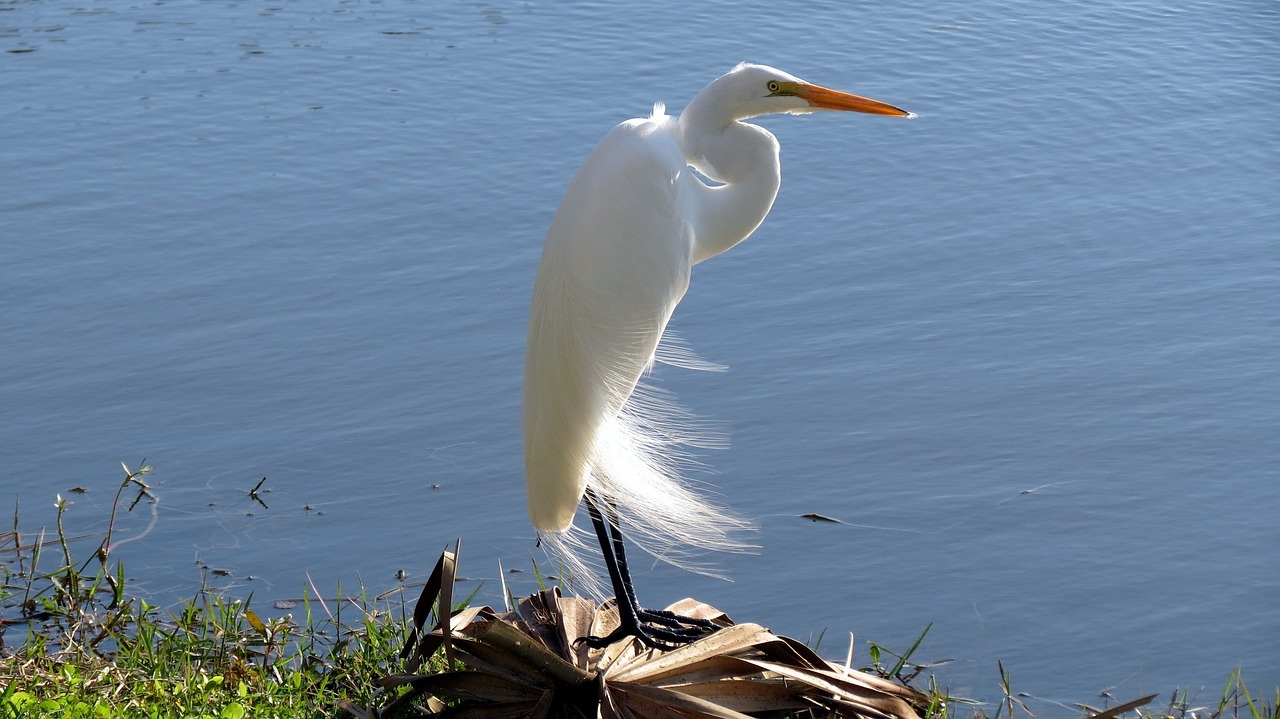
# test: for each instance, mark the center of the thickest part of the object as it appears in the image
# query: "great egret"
(633, 222)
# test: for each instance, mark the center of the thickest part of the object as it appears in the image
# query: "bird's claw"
(656, 629)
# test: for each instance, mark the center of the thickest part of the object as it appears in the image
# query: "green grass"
(76, 644)
(210, 658)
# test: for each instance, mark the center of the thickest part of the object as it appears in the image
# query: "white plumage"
(617, 261)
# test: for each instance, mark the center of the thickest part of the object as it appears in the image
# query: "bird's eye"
(773, 86)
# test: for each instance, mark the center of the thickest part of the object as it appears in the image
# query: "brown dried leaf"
(749, 695)
(527, 650)
(484, 658)
(710, 670)
(526, 664)
(664, 703)
(1116, 711)
(870, 702)
(727, 641)
(691, 607)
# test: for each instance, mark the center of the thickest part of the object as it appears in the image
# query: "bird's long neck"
(742, 156)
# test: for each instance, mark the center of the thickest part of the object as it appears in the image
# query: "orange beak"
(827, 99)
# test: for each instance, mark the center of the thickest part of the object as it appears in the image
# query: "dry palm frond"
(526, 663)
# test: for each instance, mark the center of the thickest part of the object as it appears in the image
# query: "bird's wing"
(615, 264)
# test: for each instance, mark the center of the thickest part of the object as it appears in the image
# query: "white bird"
(617, 260)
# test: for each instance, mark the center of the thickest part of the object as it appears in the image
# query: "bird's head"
(753, 90)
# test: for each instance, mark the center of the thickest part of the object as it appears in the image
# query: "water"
(297, 240)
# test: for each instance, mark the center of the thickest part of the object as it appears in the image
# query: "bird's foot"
(656, 629)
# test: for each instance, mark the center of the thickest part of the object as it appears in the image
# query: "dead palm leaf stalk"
(526, 664)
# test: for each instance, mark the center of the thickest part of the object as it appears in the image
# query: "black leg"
(658, 629)
(658, 616)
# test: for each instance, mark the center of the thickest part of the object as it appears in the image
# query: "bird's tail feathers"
(637, 467)
(674, 351)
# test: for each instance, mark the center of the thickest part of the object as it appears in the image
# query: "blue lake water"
(297, 240)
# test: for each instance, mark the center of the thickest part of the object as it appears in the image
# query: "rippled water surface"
(1024, 347)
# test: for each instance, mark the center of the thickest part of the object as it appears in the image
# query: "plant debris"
(528, 663)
